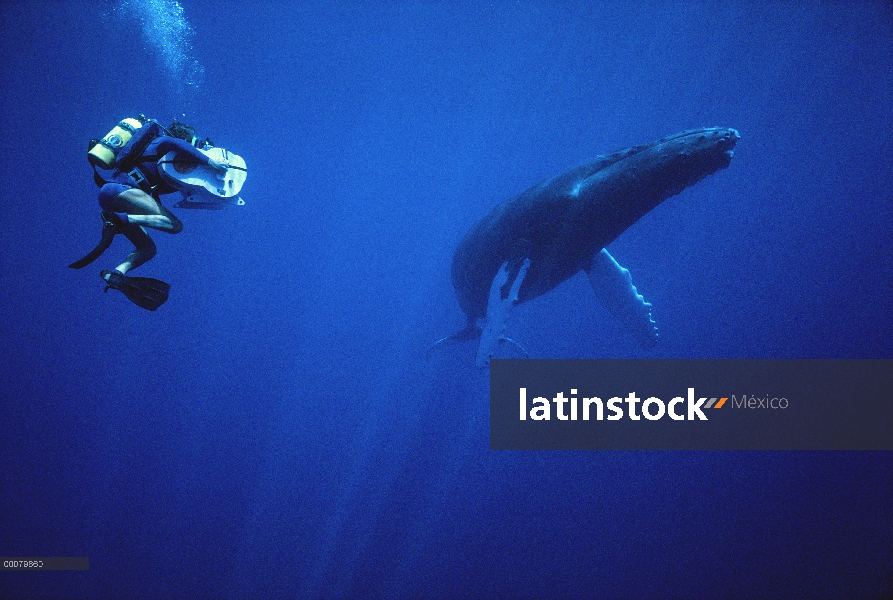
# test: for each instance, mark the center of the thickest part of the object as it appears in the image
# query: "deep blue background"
(274, 431)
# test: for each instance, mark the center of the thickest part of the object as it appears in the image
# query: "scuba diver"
(125, 165)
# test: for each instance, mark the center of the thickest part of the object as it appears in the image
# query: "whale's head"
(656, 171)
(713, 145)
(694, 154)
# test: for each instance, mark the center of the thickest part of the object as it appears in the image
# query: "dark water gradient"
(273, 430)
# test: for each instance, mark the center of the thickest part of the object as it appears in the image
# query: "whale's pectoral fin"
(498, 309)
(614, 287)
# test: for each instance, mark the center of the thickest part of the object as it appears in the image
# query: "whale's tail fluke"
(471, 332)
(498, 310)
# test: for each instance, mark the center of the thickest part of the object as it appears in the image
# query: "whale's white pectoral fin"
(498, 309)
(614, 287)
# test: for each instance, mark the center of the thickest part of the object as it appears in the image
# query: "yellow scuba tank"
(102, 154)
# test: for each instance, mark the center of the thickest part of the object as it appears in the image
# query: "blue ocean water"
(274, 431)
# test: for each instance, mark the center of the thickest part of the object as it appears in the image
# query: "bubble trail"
(169, 34)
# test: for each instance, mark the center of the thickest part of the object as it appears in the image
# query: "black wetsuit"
(137, 168)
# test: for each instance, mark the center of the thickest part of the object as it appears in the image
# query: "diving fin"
(145, 292)
(110, 222)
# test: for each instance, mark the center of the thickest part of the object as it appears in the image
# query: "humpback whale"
(561, 226)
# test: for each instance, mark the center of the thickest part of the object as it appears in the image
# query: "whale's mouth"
(716, 147)
(696, 153)
(710, 143)
(728, 140)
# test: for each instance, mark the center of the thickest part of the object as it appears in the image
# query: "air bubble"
(169, 34)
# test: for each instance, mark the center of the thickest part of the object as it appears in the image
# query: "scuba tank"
(103, 152)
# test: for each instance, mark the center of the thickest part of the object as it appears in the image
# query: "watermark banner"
(44, 563)
(691, 405)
